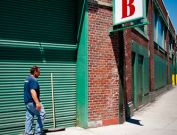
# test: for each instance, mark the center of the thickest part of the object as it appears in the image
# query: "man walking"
(33, 104)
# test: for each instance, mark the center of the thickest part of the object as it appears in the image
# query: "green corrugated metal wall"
(160, 72)
(14, 68)
(12, 113)
(50, 28)
(50, 21)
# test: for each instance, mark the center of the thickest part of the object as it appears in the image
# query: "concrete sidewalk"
(157, 118)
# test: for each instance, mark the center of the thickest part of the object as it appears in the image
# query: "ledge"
(100, 3)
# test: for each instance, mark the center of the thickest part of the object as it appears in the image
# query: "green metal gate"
(13, 72)
(38, 32)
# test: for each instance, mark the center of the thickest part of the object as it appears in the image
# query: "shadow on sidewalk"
(134, 121)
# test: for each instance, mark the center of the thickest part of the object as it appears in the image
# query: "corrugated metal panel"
(160, 72)
(12, 112)
(50, 26)
(51, 21)
(14, 68)
(15, 61)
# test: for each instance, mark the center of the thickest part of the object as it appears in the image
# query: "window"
(155, 27)
(160, 33)
(170, 46)
(159, 29)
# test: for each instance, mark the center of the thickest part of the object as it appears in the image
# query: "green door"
(140, 80)
(137, 79)
(134, 78)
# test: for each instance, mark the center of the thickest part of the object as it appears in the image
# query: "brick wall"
(110, 62)
(128, 65)
(103, 70)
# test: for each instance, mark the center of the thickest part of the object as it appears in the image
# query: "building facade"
(99, 76)
(129, 66)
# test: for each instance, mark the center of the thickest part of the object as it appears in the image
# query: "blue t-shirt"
(31, 83)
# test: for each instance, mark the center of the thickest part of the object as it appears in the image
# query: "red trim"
(110, 122)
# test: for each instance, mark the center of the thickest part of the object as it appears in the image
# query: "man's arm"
(36, 100)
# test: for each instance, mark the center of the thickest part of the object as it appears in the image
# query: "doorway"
(137, 79)
(140, 80)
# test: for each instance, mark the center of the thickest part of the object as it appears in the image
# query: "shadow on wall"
(93, 3)
(117, 40)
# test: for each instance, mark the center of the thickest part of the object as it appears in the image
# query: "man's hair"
(33, 69)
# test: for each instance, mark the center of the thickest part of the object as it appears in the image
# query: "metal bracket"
(127, 27)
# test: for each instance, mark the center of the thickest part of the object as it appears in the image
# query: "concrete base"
(93, 124)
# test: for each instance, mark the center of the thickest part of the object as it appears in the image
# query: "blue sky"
(171, 6)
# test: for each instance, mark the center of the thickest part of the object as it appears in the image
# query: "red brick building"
(127, 68)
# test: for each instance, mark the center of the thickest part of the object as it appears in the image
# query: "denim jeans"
(31, 111)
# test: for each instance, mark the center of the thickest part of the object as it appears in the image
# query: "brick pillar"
(151, 45)
(103, 89)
